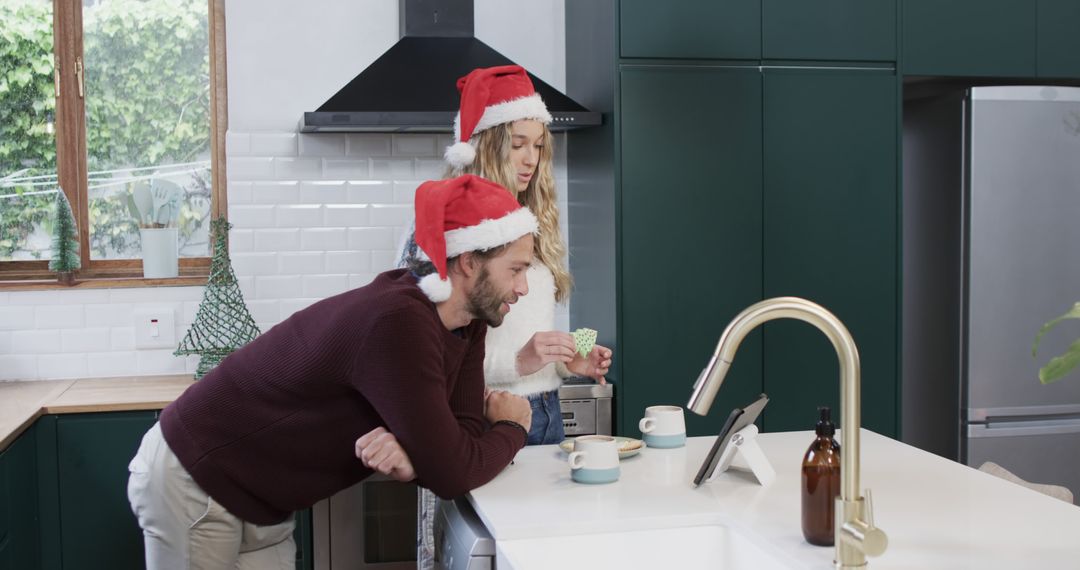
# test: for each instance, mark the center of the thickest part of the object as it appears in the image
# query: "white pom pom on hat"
(460, 155)
(436, 288)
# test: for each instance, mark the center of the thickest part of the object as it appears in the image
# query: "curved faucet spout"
(849, 552)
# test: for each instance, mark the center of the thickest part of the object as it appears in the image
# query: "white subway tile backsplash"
(371, 238)
(285, 239)
(322, 286)
(85, 340)
(65, 296)
(273, 144)
(404, 192)
(349, 169)
(62, 366)
(302, 263)
(238, 192)
(360, 279)
(347, 215)
(190, 310)
(366, 145)
(5, 342)
(16, 317)
(430, 169)
(383, 260)
(35, 341)
(370, 192)
(347, 262)
(243, 216)
(299, 216)
(390, 215)
(247, 285)
(323, 192)
(58, 316)
(158, 295)
(413, 145)
(123, 338)
(111, 364)
(278, 286)
(441, 142)
(382, 169)
(18, 367)
(287, 192)
(237, 144)
(110, 315)
(250, 168)
(3, 298)
(264, 311)
(324, 144)
(296, 168)
(323, 239)
(241, 240)
(159, 362)
(255, 263)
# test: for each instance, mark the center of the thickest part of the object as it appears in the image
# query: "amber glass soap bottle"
(820, 482)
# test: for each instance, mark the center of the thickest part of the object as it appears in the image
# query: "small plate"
(628, 446)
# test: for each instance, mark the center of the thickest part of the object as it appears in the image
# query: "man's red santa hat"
(467, 213)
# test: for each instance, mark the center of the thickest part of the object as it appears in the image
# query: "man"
(274, 428)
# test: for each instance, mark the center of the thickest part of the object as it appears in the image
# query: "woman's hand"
(595, 366)
(380, 451)
(544, 348)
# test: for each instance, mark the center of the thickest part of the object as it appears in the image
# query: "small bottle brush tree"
(65, 241)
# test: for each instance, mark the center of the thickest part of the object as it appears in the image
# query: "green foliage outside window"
(147, 105)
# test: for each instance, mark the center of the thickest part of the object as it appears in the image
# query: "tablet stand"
(744, 442)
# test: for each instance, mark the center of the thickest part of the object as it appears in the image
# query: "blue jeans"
(547, 424)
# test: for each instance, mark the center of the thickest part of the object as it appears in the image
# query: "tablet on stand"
(738, 436)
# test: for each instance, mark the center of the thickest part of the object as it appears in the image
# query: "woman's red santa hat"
(492, 96)
(467, 213)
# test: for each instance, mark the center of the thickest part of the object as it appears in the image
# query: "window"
(121, 103)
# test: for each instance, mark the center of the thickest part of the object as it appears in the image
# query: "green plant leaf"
(1073, 313)
(1059, 366)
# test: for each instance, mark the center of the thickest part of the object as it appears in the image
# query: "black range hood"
(413, 86)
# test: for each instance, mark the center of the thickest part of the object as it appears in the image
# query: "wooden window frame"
(71, 162)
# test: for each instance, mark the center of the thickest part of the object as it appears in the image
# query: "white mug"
(663, 426)
(595, 459)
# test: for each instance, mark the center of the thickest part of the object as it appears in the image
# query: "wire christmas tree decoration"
(222, 324)
(65, 240)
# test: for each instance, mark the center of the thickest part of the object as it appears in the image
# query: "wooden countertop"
(21, 403)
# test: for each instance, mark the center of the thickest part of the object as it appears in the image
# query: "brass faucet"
(856, 536)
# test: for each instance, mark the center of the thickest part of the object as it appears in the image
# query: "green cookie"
(585, 339)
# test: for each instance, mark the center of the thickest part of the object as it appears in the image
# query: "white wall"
(314, 215)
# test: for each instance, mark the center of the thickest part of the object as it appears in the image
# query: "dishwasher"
(461, 540)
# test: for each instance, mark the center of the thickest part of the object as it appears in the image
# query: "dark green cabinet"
(830, 235)
(993, 38)
(710, 29)
(853, 30)
(1059, 38)
(690, 227)
(97, 528)
(20, 547)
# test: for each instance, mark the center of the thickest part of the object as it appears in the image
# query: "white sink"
(708, 546)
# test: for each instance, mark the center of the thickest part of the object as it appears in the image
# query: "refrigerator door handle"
(1024, 428)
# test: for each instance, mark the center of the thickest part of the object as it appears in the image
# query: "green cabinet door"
(830, 225)
(992, 38)
(855, 30)
(705, 29)
(689, 252)
(1059, 38)
(19, 542)
(97, 527)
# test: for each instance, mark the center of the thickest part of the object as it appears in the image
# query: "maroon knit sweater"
(271, 430)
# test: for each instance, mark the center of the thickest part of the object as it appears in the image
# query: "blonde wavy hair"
(493, 162)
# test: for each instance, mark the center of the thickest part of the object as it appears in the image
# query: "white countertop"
(937, 513)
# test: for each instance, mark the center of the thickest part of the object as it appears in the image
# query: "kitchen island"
(937, 513)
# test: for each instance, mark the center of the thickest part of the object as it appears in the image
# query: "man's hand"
(380, 451)
(544, 348)
(595, 366)
(500, 405)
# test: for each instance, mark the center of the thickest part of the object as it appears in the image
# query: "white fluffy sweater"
(531, 314)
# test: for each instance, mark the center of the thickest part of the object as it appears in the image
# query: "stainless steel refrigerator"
(1022, 259)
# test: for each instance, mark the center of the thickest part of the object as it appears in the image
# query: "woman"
(502, 135)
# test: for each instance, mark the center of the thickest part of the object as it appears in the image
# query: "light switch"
(155, 328)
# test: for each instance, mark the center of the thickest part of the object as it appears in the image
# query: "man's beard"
(485, 302)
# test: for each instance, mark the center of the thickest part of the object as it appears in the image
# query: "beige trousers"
(185, 529)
